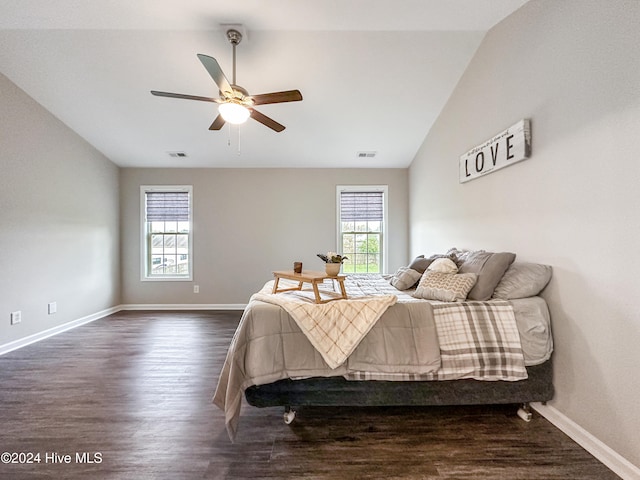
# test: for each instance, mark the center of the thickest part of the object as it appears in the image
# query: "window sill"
(167, 279)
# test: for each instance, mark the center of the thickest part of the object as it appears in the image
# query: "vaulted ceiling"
(374, 74)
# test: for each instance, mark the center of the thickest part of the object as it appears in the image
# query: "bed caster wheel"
(524, 413)
(289, 416)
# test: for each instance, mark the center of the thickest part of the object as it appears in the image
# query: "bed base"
(524, 412)
(337, 391)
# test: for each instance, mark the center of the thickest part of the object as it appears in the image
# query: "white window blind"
(355, 206)
(167, 207)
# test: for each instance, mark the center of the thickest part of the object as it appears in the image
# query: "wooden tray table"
(308, 276)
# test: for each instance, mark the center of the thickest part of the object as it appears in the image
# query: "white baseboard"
(616, 462)
(36, 337)
(185, 306)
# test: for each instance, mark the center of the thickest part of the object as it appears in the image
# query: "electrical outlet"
(52, 308)
(196, 289)
(16, 317)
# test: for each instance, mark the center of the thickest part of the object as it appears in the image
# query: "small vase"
(332, 269)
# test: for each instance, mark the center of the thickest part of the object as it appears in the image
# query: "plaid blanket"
(477, 340)
(336, 328)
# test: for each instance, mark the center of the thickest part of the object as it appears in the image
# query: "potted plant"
(333, 262)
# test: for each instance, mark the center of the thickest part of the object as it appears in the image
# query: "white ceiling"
(374, 74)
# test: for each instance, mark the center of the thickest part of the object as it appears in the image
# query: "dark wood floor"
(132, 391)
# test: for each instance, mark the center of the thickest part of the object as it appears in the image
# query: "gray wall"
(249, 222)
(59, 233)
(573, 68)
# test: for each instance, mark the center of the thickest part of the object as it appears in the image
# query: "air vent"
(366, 154)
(177, 154)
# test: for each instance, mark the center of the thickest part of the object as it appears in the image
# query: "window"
(361, 227)
(166, 232)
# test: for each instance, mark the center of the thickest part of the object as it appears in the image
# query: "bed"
(412, 350)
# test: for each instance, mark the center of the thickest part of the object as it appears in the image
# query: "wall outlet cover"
(16, 317)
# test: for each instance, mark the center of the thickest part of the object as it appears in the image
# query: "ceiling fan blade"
(185, 97)
(218, 123)
(211, 64)
(277, 97)
(266, 121)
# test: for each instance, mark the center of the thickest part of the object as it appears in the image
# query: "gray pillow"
(490, 268)
(459, 256)
(523, 280)
(405, 278)
(420, 264)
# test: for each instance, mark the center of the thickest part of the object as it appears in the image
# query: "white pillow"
(446, 287)
(443, 265)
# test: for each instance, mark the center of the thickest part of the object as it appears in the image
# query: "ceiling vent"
(177, 154)
(366, 154)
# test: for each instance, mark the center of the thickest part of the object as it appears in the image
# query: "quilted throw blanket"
(478, 340)
(335, 328)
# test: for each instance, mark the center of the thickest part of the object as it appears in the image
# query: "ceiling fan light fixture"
(235, 105)
(234, 112)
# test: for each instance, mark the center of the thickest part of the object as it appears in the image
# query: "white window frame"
(384, 234)
(145, 255)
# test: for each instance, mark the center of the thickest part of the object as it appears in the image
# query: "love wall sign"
(508, 147)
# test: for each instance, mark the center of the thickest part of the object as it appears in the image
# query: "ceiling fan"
(235, 103)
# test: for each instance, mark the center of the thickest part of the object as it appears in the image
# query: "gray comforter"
(403, 340)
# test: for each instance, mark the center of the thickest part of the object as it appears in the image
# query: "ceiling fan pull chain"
(238, 141)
